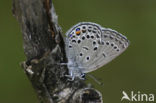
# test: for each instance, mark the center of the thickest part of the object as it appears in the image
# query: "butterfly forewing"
(84, 39)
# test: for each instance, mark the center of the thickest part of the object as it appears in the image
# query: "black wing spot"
(112, 44)
(104, 55)
(74, 41)
(85, 48)
(81, 54)
(116, 40)
(87, 58)
(90, 27)
(97, 36)
(88, 36)
(94, 31)
(94, 43)
(120, 42)
(84, 27)
(115, 47)
(111, 37)
(70, 46)
(95, 28)
(89, 30)
(83, 38)
(105, 36)
(92, 37)
(83, 31)
(99, 42)
(102, 43)
(95, 48)
(79, 41)
(123, 46)
(99, 32)
(107, 43)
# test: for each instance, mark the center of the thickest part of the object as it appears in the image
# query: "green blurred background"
(134, 70)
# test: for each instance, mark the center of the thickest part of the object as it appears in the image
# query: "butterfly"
(90, 46)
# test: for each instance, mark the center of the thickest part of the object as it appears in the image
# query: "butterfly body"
(90, 46)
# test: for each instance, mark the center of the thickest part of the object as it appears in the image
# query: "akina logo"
(138, 97)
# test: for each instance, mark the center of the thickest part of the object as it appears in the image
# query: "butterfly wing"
(112, 45)
(89, 46)
(82, 39)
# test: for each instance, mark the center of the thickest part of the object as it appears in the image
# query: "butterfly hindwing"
(112, 45)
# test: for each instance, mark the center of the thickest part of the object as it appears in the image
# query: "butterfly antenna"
(96, 80)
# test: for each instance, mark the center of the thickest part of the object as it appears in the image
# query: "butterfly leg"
(70, 76)
(62, 64)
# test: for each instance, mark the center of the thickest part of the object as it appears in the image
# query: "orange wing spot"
(78, 32)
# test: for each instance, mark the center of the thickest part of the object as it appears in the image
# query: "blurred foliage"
(134, 70)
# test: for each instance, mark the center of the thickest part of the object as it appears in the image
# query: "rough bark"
(45, 49)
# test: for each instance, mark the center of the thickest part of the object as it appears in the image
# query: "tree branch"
(45, 49)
